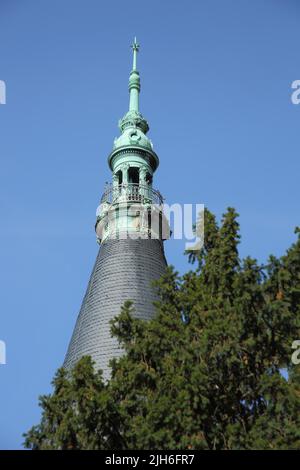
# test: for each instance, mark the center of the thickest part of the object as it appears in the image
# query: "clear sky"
(216, 90)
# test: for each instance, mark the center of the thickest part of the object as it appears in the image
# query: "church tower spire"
(131, 255)
(133, 117)
(133, 163)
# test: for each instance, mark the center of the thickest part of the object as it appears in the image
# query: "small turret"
(133, 163)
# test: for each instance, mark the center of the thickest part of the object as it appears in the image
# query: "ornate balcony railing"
(131, 192)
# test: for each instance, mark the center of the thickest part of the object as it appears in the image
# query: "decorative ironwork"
(132, 192)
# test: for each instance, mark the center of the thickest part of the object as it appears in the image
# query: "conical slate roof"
(124, 270)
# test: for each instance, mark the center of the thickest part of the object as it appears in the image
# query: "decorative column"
(125, 167)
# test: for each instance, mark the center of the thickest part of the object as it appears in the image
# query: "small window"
(133, 175)
(119, 175)
(148, 178)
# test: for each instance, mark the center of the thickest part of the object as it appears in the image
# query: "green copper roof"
(133, 125)
(133, 136)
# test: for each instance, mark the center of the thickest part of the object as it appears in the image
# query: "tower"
(129, 229)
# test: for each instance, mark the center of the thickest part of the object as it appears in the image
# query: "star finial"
(135, 46)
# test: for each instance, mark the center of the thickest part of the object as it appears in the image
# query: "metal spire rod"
(134, 80)
(135, 47)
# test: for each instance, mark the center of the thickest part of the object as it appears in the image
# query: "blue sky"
(216, 90)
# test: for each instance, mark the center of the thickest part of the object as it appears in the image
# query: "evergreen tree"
(79, 414)
(212, 370)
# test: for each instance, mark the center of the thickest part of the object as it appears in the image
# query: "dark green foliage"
(80, 414)
(215, 382)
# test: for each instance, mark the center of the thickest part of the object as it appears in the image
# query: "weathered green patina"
(133, 163)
